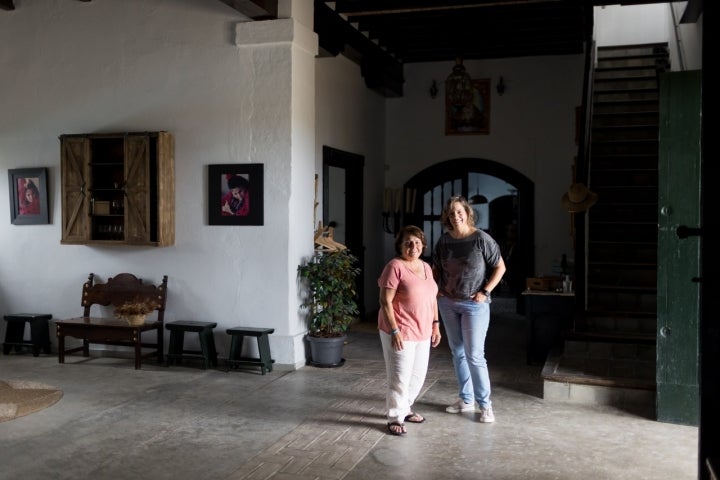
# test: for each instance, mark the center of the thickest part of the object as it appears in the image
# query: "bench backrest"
(122, 288)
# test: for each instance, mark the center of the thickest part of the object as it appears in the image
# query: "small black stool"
(176, 349)
(15, 332)
(238, 334)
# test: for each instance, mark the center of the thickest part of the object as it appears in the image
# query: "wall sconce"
(393, 206)
(433, 89)
(500, 86)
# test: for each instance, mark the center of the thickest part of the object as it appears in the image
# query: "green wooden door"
(678, 296)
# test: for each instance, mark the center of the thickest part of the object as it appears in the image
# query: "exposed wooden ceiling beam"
(439, 7)
(693, 9)
(255, 9)
(10, 4)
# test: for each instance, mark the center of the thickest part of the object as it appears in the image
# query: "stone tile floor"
(187, 423)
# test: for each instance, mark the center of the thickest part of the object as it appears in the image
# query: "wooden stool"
(15, 332)
(238, 334)
(176, 349)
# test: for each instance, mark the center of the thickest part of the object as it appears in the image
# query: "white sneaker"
(460, 406)
(486, 415)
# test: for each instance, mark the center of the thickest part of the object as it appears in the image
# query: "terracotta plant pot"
(138, 319)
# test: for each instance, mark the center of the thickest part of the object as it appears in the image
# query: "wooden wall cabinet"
(118, 189)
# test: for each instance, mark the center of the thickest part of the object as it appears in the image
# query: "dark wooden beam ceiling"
(382, 35)
(255, 9)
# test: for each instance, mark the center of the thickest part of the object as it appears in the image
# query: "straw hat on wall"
(578, 198)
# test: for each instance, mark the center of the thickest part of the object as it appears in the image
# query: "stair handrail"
(581, 174)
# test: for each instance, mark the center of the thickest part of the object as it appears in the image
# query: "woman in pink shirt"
(408, 324)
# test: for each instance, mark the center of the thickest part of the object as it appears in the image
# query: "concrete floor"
(182, 422)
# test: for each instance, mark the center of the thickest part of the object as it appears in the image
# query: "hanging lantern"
(458, 86)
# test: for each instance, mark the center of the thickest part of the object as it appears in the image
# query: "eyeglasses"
(411, 243)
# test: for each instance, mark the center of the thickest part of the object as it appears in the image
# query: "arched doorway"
(506, 211)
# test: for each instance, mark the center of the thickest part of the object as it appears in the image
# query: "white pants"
(406, 370)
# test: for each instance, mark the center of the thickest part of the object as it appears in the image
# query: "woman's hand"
(397, 341)
(436, 337)
(479, 297)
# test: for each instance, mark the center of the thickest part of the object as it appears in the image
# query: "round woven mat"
(19, 398)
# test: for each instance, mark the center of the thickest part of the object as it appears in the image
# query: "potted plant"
(135, 311)
(330, 300)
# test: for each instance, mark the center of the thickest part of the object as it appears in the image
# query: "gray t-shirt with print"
(461, 265)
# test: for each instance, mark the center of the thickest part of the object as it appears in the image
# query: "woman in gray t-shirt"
(467, 265)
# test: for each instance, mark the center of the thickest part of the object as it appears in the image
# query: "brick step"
(648, 161)
(652, 49)
(620, 308)
(627, 176)
(606, 106)
(638, 71)
(608, 358)
(624, 132)
(626, 385)
(609, 231)
(655, 61)
(624, 147)
(634, 83)
(617, 119)
(645, 253)
(626, 95)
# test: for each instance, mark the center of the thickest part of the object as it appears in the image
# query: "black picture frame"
(221, 210)
(25, 211)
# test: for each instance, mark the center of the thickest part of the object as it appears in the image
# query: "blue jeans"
(466, 324)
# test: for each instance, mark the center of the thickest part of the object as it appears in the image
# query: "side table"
(548, 315)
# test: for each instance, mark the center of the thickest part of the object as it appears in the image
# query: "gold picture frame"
(473, 117)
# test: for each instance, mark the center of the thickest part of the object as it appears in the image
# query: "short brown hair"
(405, 231)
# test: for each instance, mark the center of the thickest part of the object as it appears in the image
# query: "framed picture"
(28, 196)
(235, 194)
(471, 117)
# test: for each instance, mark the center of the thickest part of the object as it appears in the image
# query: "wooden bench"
(118, 290)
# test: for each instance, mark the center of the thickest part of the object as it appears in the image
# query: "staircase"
(611, 349)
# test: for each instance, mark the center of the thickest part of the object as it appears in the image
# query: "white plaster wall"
(631, 24)
(652, 23)
(531, 130)
(351, 117)
(132, 65)
(74, 67)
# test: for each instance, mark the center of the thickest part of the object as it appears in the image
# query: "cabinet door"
(74, 158)
(138, 189)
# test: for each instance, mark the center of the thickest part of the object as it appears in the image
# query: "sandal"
(413, 417)
(396, 428)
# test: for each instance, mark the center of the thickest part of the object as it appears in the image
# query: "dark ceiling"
(383, 35)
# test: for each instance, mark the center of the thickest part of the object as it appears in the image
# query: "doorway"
(343, 206)
(503, 200)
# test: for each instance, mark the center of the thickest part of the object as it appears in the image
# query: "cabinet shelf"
(118, 189)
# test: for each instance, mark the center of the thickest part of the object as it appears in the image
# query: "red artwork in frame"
(28, 196)
(235, 194)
